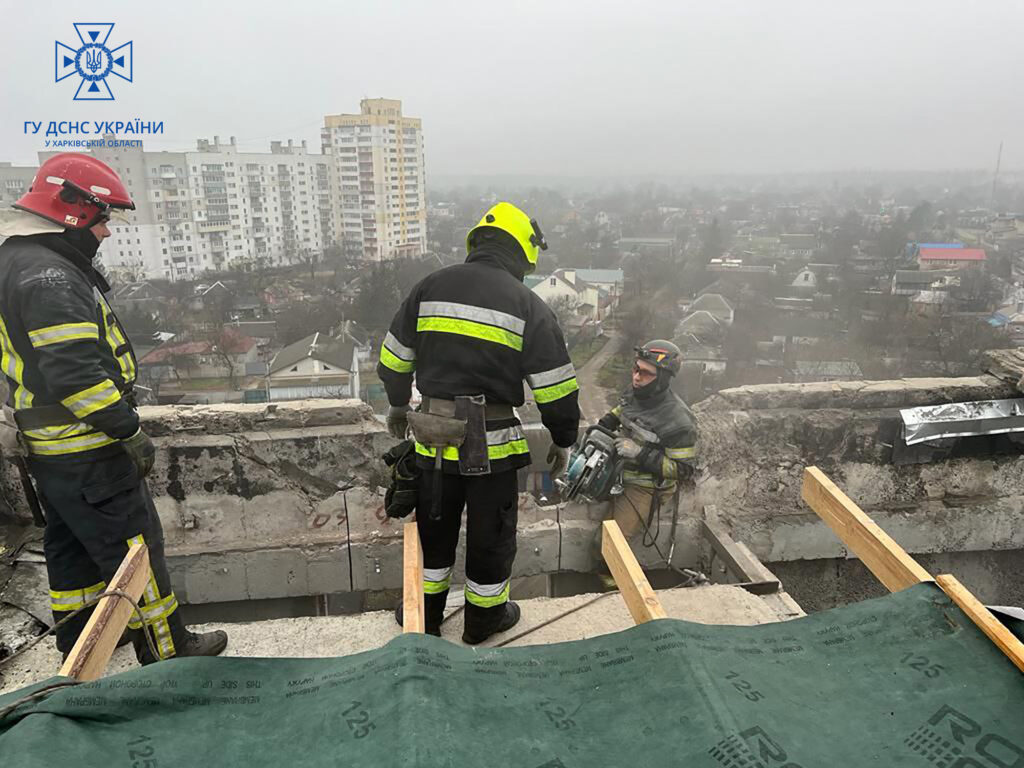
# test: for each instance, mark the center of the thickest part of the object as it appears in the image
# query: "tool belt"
(41, 416)
(440, 407)
(56, 415)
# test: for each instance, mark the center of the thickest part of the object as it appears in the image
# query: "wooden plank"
(89, 658)
(412, 585)
(746, 570)
(980, 615)
(886, 559)
(640, 599)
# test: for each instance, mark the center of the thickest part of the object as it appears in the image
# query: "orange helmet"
(75, 191)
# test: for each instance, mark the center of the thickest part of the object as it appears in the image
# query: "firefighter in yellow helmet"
(470, 334)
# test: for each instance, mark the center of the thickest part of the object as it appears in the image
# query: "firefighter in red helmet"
(70, 371)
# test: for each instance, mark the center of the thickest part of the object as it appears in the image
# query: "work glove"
(398, 421)
(609, 421)
(141, 451)
(558, 458)
(627, 449)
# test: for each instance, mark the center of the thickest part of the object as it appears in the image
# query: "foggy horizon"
(570, 90)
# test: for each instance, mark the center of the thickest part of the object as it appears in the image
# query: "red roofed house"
(199, 359)
(945, 258)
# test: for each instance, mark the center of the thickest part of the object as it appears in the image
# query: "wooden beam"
(980, 615)
(886, 559)
(412, 582)
(744, 566)
(640, 599)
(88, 659)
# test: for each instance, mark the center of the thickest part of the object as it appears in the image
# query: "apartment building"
(378, 181)
(14, 182)
(217, 208)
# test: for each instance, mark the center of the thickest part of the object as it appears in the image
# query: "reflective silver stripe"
(437, 574)
(486, 590)
(63, 332)
(506, 435)
(547, 378)
(476, 314)
(398, 349)
(70, 444)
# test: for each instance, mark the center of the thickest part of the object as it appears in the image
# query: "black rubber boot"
(431, 628)
(473, 636)
(205, 644)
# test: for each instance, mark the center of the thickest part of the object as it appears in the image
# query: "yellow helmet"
(507, 218)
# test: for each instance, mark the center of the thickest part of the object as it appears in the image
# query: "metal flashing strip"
(970, 419)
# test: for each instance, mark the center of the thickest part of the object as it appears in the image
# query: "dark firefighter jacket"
(661, 462)
(62, 343)
(473, 329)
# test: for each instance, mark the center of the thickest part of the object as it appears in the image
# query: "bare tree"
(565, 308)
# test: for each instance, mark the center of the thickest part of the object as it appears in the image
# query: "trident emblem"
(93, 61)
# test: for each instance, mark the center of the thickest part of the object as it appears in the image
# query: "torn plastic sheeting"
(970, 419)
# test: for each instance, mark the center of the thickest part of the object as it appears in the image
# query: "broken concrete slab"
(224, 418)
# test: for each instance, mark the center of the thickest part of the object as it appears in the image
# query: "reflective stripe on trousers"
(487, 595)
(155, 611)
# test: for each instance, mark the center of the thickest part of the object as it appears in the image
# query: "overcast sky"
(553, 87)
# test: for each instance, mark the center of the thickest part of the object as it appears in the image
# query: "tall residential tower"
(378, 181)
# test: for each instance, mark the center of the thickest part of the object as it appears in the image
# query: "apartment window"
(554, 281)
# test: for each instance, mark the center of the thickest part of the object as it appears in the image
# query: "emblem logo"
(93, 61)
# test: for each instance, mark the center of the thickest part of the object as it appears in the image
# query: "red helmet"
(75, 191)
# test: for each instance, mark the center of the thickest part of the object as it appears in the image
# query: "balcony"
(214, 225)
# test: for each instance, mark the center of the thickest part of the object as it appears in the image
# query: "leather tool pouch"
(473, 459)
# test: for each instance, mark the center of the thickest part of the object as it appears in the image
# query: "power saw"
(594, 468)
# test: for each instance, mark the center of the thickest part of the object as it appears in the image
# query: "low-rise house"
(909, 282)
(822, 370)
(590, 300)
(143, 297)
(316, 366)
(224, 357)
(714, 304)
(366, 354)
(945, 258)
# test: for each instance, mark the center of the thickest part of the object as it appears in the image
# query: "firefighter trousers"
(94, 511)
(492, 505)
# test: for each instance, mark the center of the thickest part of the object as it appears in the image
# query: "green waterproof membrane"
(903, 680)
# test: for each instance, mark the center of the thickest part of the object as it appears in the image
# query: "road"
(593, 399)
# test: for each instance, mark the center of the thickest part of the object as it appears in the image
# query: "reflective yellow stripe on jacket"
(552, 385)
(116, 340)
(501, 443)
(472, 321)
(14, 368)
(57, 334)
(396, 356)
